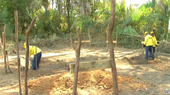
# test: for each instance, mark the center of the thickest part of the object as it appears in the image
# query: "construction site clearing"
(136, 76)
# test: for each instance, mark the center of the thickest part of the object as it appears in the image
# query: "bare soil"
(136, 76)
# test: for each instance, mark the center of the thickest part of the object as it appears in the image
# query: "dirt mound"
(94, 80)
(163, 46)
(139, 60)
(161, 64)
(136, 60)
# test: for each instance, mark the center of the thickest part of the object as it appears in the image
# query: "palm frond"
(126, 22)
(128, 31)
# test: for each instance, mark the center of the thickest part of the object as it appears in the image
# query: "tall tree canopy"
(57, 16)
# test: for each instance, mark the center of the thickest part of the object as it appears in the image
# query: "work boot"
(153, 57)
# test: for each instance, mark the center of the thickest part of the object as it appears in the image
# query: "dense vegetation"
(57, 17)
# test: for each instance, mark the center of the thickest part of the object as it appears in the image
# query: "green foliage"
(129, 21)
(86, 23)
(7, 17)
(126, 22)
(21, 37)
(128, 31)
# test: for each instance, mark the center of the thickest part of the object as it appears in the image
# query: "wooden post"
(4, 44)
(110, 39)
(89, 37)
(1, 48)
(27, 53)
(17, 47)
(77, 51)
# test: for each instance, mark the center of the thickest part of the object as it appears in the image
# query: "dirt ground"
(136, 76)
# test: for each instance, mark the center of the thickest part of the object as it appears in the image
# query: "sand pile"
(94, 80)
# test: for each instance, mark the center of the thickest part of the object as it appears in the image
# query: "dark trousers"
(153, 52)
(36, 61)
(153, 49)
(148, 50)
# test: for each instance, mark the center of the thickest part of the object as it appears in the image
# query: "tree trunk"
(110, 39)
(68, 14)
(77, 51)
(167, 23)
(116, 40)
(72, 26)
(1, 47)
(59, 7)
(17, 47)
(89, 37)
(52, 3)
(4, 44)
(72, 42)
(59, 11)
(27, 53)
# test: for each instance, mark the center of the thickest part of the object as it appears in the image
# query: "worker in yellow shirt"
(148, 44)
(154, 42)
(33, 50)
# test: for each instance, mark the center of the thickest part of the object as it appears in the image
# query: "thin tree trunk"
(72, 42)
(116, 40)
(71, 38)
(27, 53)
(17, 47)
(142, 46)
(52, 3)
(110, 39)
(72, 26)
(76, 69)
(58, 3)
(4, 44)
(1, 48)
(89, 37)
(59, 7)
(68, 14)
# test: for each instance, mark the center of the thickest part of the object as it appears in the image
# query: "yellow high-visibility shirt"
(34, 50)
(148, 40)
(154, 42)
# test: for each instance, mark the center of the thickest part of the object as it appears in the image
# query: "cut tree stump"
(91, 65)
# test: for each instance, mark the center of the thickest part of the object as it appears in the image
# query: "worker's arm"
(146, 38)
(31, 51)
